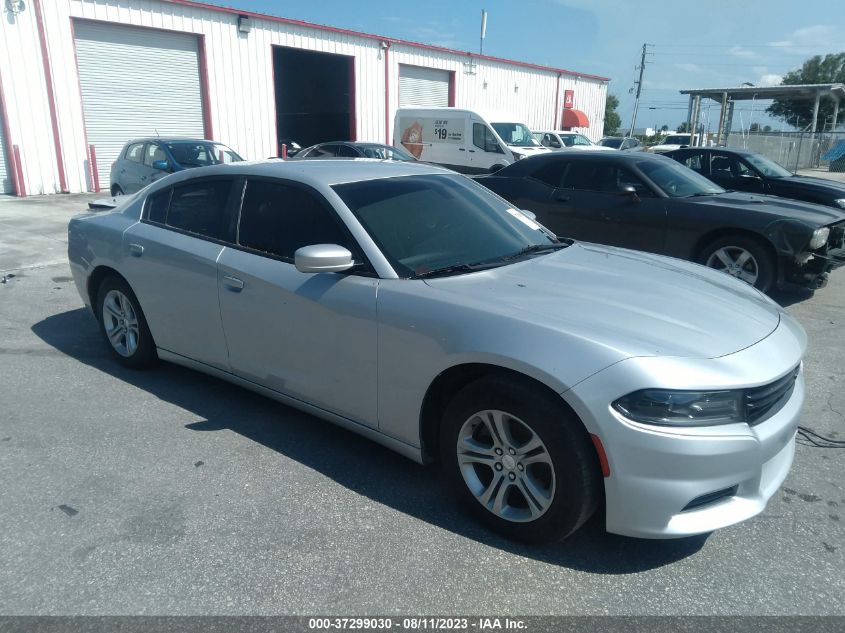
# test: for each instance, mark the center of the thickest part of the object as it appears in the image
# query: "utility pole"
(639, 90)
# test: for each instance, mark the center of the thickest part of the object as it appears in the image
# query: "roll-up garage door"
(136, 82)
(6, 184)
(423, 86)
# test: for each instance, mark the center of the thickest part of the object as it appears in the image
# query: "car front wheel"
(519, 460)
(123, 325)
(743, 258)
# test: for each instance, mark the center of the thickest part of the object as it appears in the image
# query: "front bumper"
(657, 472)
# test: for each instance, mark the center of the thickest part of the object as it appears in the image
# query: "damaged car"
(653, 203)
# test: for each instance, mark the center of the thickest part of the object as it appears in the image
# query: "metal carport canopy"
(835, 91)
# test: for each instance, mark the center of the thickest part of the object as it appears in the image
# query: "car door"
(154, 155)
(347, 151)
(485, 151)
(129, 174)
(171, 264)
(590, 204)
(309, 336)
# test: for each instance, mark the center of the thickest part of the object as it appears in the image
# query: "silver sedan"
(413, 306)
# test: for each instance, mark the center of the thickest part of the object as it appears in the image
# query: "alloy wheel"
(506, 466)
(121, 323)
(736, 262)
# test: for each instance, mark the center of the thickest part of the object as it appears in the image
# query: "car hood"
(590, 148)
(665, 148)
(635, 303)
(772, 205)
(528, 151)
(811, 182)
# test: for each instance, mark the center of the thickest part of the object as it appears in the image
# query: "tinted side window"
(694, 162)
(589, 176)
(200, 207)
(135, 152)
(347, 152)
(157, 206)
(278, 219)
(323, 150)
(551, 173)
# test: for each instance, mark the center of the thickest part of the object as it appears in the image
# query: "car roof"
(169, 139)
(726, 150)
(528, 165)
(316, 172)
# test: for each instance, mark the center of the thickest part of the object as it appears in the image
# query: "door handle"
(562, 198)
(233, 283)
(136, 249)
(461, 149)
(472, 151)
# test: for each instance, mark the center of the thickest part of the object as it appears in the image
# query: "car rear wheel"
(123, 325)
(519, 460)
(743, 258)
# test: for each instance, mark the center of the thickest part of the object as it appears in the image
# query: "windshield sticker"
(519, 215)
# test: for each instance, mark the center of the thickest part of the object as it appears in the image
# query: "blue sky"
(713, 44)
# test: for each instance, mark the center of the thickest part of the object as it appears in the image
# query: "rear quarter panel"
(95, 240)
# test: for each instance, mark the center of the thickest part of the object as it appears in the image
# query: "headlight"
(840, 202)
(516, 155)
(682, 408)
(819, 238)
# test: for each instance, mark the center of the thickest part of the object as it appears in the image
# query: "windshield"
(198, 154)
(429, 222)
(677, 181)
(767, 166)
(515, 134)
(615, 143)
(676, 140)
(385, 152)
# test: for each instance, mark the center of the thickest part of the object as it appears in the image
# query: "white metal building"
(78, 78)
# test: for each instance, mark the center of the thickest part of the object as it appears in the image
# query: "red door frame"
(10, 151)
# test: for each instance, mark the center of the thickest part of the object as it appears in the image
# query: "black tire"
(577, 488)
(761, 258)
(116, 191)
(141, 355)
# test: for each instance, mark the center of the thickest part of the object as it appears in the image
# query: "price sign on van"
(423, 131)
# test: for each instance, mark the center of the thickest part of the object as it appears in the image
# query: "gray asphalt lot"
(169, 492)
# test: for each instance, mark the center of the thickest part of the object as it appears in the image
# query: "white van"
(463, 140)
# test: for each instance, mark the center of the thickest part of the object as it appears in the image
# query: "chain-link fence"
(793, 150)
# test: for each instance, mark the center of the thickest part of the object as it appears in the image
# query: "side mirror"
(161, 165)
(322, 258)
(629, 191)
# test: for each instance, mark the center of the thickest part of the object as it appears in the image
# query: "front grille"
(761, 401)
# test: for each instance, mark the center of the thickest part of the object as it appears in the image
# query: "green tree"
(816, 70)
(664, 128)
(754, 128)
(683, 127)
(612, 121)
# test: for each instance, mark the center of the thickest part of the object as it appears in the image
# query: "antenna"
(483, 31)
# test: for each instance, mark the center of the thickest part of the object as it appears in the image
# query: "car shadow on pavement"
(791, 296)
(352, 461)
